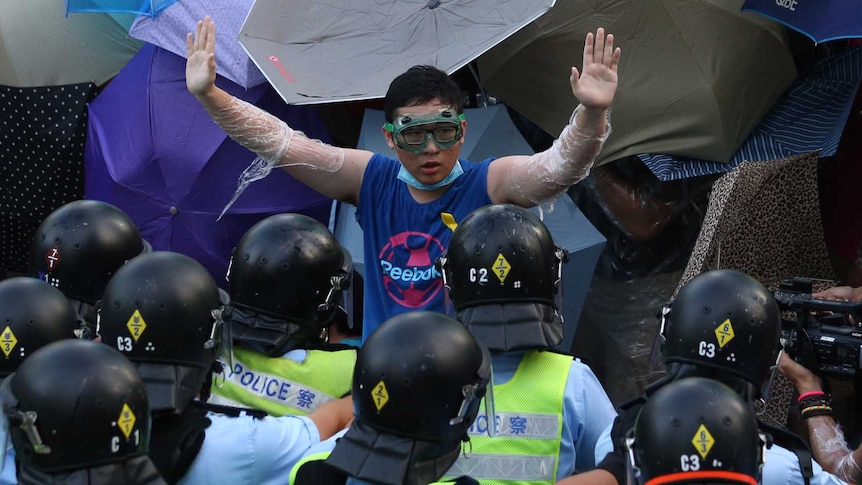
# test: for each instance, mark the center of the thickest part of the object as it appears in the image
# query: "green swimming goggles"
(411, 136)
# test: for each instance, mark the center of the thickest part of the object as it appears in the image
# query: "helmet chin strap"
(409, 179)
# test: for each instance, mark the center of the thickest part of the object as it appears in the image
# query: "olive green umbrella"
(696, 76)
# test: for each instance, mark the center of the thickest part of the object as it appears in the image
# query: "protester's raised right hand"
(201, 65)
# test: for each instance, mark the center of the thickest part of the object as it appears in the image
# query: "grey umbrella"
(317, 51)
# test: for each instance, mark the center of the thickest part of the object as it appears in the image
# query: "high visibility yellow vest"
(323, 456)
(282, 386)
(529, 416)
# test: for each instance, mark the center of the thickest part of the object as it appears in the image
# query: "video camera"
(820, 334)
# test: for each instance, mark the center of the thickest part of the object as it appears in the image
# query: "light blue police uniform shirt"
(587, 410)
(8, 474)
(244, 450)
(781, 467)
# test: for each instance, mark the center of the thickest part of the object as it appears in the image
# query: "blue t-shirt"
(403, 238)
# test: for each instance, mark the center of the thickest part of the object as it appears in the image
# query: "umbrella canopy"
(154, 152)
(169, 29)
(39, 46)
(140, 7)
(42, 133)
(491, 133)
(809, 116)
(820, 20)
(687, 87)
(764, 219)
(317, 52)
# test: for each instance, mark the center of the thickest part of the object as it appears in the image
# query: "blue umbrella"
(809, 116)
(140, 7)
(491, 133)
(821, 20)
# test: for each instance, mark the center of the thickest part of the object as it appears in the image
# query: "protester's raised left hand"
(596, 84)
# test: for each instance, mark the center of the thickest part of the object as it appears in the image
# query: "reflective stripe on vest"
(529, 416)
(282, 386)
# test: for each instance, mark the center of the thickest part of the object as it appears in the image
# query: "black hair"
(418, 85)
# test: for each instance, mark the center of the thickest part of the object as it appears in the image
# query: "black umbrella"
(42, 132)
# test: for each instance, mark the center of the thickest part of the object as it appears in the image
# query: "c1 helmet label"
(126, 421)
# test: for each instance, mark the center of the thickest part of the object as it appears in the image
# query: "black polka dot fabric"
(42, 133)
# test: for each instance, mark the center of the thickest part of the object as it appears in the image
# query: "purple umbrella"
(168, 31)
(154, 152)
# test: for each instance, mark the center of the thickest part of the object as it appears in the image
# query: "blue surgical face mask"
(409, 179)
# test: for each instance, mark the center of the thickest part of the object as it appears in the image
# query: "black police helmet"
(162, 307)
(76, 404)
(726, 320)
(80, 245)
(289, 266)
(501, 254)
(696, 430)
(411, 375)
(32, 315)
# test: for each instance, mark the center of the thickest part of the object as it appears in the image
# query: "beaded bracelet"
(813, 411)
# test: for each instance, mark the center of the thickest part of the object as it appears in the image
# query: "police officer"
(163, 311)
(502, 271)
(695, 430)
(32, 315)
(79, 415)
(725, 325)
(417, 386)
(78, 247)
(287, 275)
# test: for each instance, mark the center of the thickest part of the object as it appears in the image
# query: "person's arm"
(333, 416)
(827, 440)
(332, 171)
(840, 293)
(592, 477)
(529, 180)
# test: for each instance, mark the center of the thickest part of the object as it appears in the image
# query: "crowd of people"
(125, 365)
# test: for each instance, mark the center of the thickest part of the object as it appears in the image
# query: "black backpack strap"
(318, 472)
(176, 441)
(794, 443)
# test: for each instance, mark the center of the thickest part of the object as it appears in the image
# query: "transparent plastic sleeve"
(275, 143)
(830, 449)
(569, 159)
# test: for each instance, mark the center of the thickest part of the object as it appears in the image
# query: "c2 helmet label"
(702, 441)
(724, 333)
(8, 341)
(136, 325)
(380, 395)
(501, 267)
(126, 421)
